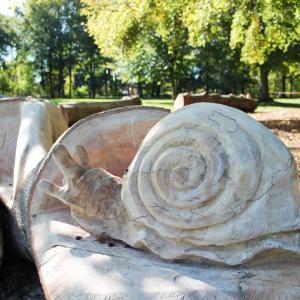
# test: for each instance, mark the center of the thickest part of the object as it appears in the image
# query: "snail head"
(87, 191)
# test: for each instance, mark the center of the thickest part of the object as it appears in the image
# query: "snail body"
(207, 183)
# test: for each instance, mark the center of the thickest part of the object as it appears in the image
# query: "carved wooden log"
(76, 111)
(203, 186)
(28, 130)
(109, 140)
(240, 102)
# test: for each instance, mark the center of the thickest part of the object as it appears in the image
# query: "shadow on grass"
(293, 103)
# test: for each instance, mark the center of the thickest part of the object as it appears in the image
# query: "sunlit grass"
(66, 100)
(279, 104)
(168, 103)
(164, 103)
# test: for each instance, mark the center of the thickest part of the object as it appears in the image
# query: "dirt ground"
(19, 279)
(285, 123)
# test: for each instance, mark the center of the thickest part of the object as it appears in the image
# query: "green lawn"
(65, 100)
(164, 103)
(279, 103)
(168, 103)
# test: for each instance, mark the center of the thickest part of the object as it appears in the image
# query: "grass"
(66, 100)
(279, 104)
(164, 103)
(168, 103)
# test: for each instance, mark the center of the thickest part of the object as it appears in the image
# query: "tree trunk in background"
(173, 80)
(243, 88)
(206, 83)
(291, 85)
(264, 84)
(115, 85)
(153, 89)
(42, 74)
(283, 86)
(70, 81)
(61, 90)
(174, 89)
(94, 88)
(51, 91)
(105, 86)
(140, 88)
(157, 91)
(92, 83)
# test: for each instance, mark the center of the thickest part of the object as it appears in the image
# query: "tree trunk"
(243, 88)
(158, 89)
(173, 82)
(105, 83)
(70, 81)
(115, 85)
(92, 85)
(283, 86)
(153, 89)
(51, 91)
(264, 84)
(206, 83)
(140, 88)
(291, 85)
(61, 76)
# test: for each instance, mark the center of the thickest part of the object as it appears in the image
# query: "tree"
(8, 39)
(131, 30)
(259, 28)
(8, 36)
(57, 41)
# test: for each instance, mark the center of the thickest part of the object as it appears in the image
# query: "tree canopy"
(257, 29)
(90, 47)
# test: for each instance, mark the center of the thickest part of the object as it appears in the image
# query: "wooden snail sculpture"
(208, 183)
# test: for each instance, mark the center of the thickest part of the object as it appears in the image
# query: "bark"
(206, 83)
(158, 89)
(105, 84)
(291, 85)
(239, 102)
(70, 81)
(140, 88)
(51, 91)
(73, 112)
(61, 75)
(264, 84)
(173, 82)
(115, 85)
(174, 89)
(243, 88)
(283, 86)
(153, 85)
(92, 85)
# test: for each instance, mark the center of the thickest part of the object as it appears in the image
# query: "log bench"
(28, 129)
(73, 264)
(240, 102)
(76, 111)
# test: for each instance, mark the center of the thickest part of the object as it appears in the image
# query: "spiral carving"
(197, 176)
(208, 182)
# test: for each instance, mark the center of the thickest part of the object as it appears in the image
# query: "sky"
(7, 6)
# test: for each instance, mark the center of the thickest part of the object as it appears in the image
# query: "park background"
(67, 50)
(89, 49)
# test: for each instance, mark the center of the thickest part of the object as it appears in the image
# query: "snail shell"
(210, 182)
